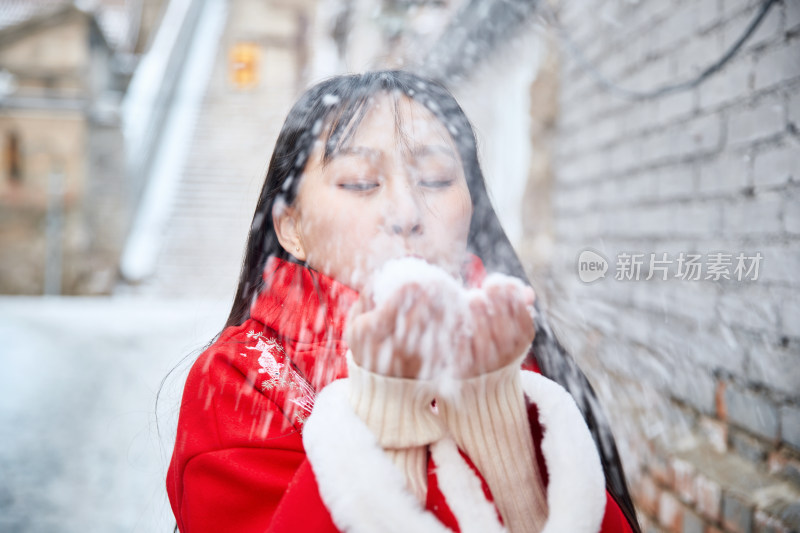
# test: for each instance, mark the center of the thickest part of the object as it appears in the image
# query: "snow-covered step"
(202, 247)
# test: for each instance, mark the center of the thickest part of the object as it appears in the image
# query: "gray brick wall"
(710, 365)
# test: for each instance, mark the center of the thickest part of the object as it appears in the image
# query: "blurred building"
(242, 73)
(65, 199)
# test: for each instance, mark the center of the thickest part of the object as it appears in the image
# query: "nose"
(403, 213)
(407, 230)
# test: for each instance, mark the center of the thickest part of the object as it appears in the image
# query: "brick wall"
(701, 377)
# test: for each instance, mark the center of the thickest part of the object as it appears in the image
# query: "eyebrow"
(417, 151)
(432, 149)
(362, 151)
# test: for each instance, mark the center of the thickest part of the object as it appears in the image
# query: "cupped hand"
(502, 326)
(406, 336)
(421, 332)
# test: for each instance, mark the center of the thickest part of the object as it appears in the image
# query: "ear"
(287, 228)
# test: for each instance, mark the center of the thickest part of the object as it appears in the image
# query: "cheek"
(356, 247)
(464, 212)
(337, 239)
(454, 216)
(328, 219)
(333, 235)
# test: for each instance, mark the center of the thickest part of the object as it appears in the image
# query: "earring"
(296, 248)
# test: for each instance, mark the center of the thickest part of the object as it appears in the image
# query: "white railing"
(167, 155)
(152, 86)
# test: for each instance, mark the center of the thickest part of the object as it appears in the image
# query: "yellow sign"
(244, 65)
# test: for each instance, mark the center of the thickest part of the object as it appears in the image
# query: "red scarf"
(308, 311)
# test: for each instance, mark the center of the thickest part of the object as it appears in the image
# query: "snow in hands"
(415, 320)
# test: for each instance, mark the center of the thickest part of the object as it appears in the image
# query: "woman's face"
(396, 188)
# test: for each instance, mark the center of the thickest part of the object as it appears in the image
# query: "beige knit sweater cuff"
(489, 421)
(397, 410)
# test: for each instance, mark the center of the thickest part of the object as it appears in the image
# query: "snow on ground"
(79, 446)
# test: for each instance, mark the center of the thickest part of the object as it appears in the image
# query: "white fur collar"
(365, 492)
(576, 487)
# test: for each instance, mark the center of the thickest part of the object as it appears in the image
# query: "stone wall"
(49, 143)
(701, 376)
(60, 119)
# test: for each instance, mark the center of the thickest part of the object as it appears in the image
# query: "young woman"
(371, 376)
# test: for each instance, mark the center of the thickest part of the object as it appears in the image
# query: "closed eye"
(437, 183)
(358, 186)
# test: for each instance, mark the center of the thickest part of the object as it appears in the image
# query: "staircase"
(200, 252)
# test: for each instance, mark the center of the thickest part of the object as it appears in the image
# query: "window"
(13, 158)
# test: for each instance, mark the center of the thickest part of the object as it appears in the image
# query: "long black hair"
(331, 111)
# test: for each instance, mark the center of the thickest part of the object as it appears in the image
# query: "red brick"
(709, 497)
(768, 524)
(647, 495)
(784, 464)
(737, 513)
(776, 461)
(660, 469)
(670, 513)
(722, 408)
(646, 523)
(684, 474)
(716, 433)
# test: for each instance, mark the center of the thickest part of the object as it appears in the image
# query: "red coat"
(239, 462)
